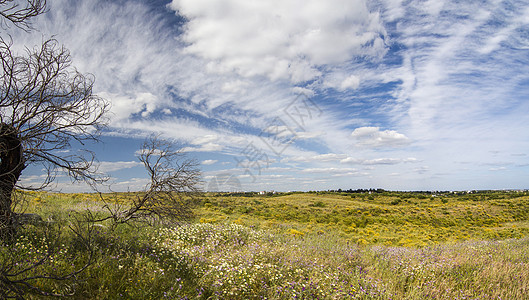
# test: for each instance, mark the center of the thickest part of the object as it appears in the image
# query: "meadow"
(317, 245)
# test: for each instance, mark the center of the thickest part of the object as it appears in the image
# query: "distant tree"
(45, 105)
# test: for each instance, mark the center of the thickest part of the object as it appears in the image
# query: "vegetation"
(387, 218)
(284, 246)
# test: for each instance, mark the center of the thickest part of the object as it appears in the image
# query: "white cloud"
(278, 169)
(111, 166)
(280, 131)
(382, 161)
(341, 81)
(32, 180)
(309, 135)
(377, 161)
(422, 170)
(506, 34)
(208, 147)
(279, 39)
(328, 170)
(133, 184)
(209, 162)
(498, 169)
(349, 174)
(351, 160)
(373, 137)
(205, 139)
(155, 152)
(393, 10)
(124, 106)
(351, 82)
(328, 157)
(303, 91)
(235, 87)
(452, 66)
(171, 128)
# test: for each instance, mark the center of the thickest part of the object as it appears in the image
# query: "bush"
(318, 204)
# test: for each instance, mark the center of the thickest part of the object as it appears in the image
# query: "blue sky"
(308, 95)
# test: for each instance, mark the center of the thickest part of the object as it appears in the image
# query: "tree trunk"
(11, 166)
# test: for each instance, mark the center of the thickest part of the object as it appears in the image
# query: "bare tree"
(174, 182)
(19, 13)
(45, 105)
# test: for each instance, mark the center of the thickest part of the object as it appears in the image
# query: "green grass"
(305, 246)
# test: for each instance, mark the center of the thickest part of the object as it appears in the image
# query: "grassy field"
(291, 246)
(392, 219)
